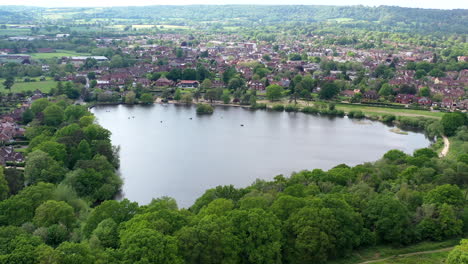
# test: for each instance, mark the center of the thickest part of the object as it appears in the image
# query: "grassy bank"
(380, 252)
(378, 110)
(431, 258)
(366, 109)
(457, 147)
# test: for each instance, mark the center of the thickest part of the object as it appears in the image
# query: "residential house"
(163, 81)
(188, 84)
(404, 98)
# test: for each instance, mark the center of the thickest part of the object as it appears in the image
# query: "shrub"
(388, 118)
(203, 109)
(310, 110)
(259, 106)
(356, 114)
(291, 108)
(278, 107)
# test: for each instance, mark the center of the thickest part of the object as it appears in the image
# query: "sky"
(439, 4)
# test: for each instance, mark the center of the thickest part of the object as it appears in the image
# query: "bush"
(388, 118)
(259, 106)
(278, 107)
(356, 114)
(291, 108)
(204, 109)
(310, 110)
(333, 112)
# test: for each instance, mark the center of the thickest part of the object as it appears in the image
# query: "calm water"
(165, 153)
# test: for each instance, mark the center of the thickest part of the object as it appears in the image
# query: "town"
(233, 133)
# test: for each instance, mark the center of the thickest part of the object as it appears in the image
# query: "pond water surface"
(167, 150)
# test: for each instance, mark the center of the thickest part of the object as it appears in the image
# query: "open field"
(431, 258)
(457, 146)
(378, 110)
(44, 86)
(366, 109)
(382, 252)
(57, 54)
(13, 32)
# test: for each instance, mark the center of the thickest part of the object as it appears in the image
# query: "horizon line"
(256, 4)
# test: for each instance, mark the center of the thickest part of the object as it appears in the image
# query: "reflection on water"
(170, 151)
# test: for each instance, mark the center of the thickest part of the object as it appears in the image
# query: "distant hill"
(395, 18)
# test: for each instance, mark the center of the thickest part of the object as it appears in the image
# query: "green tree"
(459, 254)
(107, 234)
(328, 91)
(274, 92)
(226, 97)
(235, 83)
(146, 98)
(452, 121)
(187, 98)
(326, 228)
(210, 240)
(386, 90)
(389, 219)
(259, 234)
(117, 61)
(39, 105)
(206, 84)
(144, 245)
(40, 166)
(74, 253)
(84, 150)
(4, 188)
(74, 112)
(54, 212)
(448, 194)
(130, 97)
(27, 116)
(55, 150)
(425, 91)
(9, 82)
(117, 211)
(178, 95)
(53, 115)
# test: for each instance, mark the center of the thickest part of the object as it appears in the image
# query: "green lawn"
(377, 110)
(457, 147)
(432, 258)
(380, 252)
(57, 54)
(366, 109)
(44, 86)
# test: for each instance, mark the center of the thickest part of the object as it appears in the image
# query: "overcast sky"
(442, 4)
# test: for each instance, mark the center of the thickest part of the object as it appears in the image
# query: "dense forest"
(66, 212)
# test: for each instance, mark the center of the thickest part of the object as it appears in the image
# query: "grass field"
(44, 86)
(13, 32)
(457, 146)
(57, 54)
(380, 252)
(368, 110)
(432, 258)
(371, 110)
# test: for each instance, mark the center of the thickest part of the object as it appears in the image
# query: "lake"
(167, 150)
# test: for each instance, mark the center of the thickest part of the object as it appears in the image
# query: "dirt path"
(445, 150)
(407, 255)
